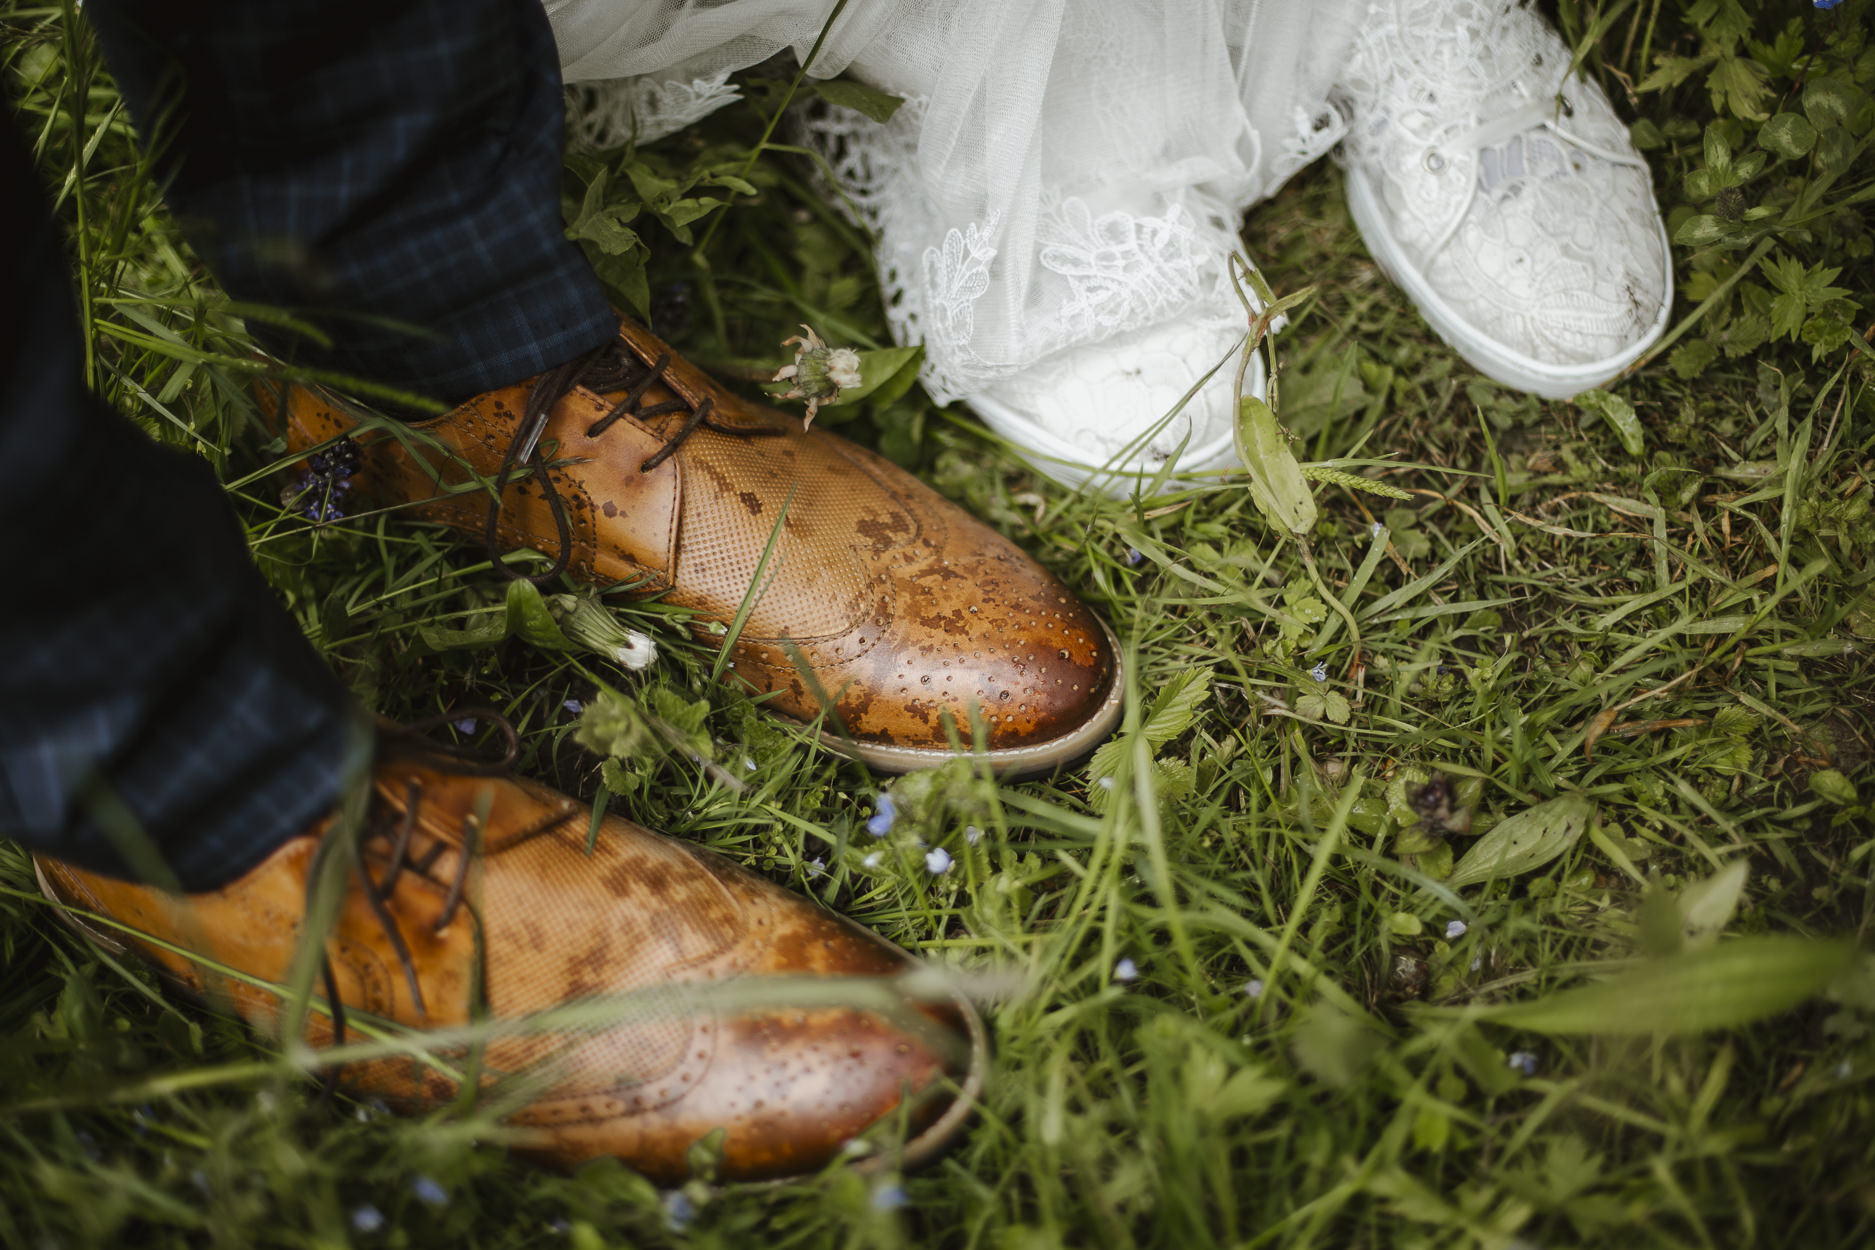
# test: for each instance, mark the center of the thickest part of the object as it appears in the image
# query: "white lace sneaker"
(1114, 414)
(1503, 194)
(1077, 330)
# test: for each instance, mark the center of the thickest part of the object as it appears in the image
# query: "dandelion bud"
(589, 623)
(819, 373)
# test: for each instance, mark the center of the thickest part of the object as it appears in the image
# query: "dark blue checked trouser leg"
(389, 171)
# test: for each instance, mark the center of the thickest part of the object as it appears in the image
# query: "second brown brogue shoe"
(712, 999)
(880, 602)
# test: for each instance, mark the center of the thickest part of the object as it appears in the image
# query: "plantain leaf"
(888, 371)
(528, 616)
(1620, 417)
(1706, 907)
(874, 103)
(1530, 839)
(1719, 987)
(1276, 481)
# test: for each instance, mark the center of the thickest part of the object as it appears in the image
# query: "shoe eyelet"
(1434, 162)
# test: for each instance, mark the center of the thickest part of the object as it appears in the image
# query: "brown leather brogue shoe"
(448, 859)
(881, 598)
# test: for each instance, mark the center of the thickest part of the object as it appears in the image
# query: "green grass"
(1672, 637)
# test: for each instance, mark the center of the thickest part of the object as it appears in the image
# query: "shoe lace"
(411, 740)
(607, 370)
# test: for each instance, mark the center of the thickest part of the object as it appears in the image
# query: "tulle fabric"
(1064, 171)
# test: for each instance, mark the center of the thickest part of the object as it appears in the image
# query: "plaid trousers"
(388, 170)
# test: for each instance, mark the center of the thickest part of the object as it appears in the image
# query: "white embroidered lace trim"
(612, 112)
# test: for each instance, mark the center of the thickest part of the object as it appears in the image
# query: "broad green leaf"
(1700, 230)
(1530, 839)
(1740, 83)
(1720, 987)
(484, 629)
(1706, 907)
(1620, 417)
(874, 103)
(1248, 1091)
(1788, 135)
(1276, 481)
(877, 369)
(529, 618)
(1332, 1045)
(1832, 784)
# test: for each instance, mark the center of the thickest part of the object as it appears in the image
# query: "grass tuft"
(1494, 870)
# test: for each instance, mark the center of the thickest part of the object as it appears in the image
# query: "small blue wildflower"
(574, 706)
(1376, 530)
(937, 860)
(883, 817)
(816, 867)
(1126, 970)
(1455, 930)
(466, 725)
(1523, 1061)
(1827, 4)
(1253, 988)
(1319, 672)
(429, 1193)
(1477, 962)
(890, 1198)
(679, 1210)
(972, 834)
(367, 1219)
(1134, 555)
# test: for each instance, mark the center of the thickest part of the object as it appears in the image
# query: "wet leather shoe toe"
(881, 603)
(718, 1001)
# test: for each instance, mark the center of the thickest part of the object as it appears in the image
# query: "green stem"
(767, 131)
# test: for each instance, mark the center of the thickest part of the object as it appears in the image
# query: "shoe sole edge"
(1008, 763)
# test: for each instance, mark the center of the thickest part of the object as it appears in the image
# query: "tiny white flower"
(937, 860)
(1523, 1061)
(816, 867)
(1376, 530)
(1320, 672)
(1455, 930)
(1477, 962)
(1253, 988)
(872, 861)
(972, 834)
(1126, 970)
